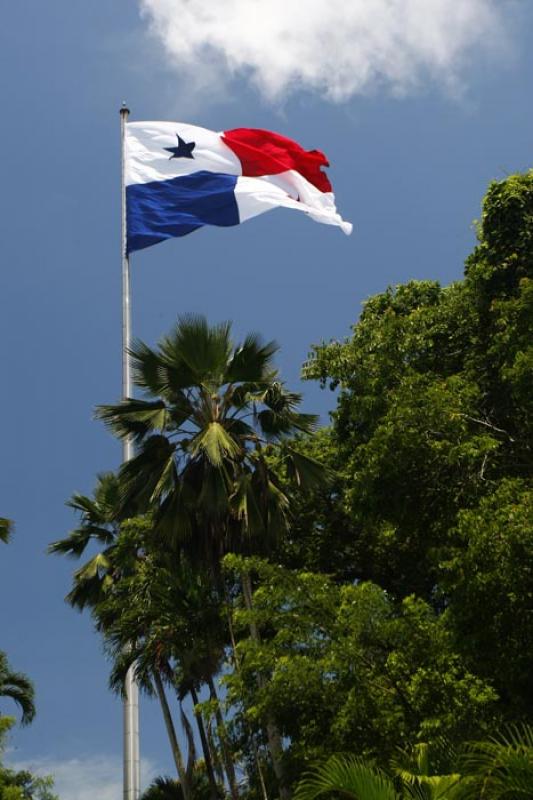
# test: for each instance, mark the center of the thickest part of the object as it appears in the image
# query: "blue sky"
(417, 111)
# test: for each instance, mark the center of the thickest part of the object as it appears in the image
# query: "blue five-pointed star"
(183, 150)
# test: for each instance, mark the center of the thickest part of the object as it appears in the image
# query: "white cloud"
(97, 777)
(339, 48)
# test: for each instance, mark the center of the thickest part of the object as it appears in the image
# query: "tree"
(347, 669)
(434, 408)
(431, 440)
(170, 616)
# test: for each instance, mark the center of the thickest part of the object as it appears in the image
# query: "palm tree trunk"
(273, 735)
(227, 755)
(205, 747)
(173, 739)
(189, 735)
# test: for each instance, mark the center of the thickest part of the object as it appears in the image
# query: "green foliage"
(489, 582)
(21, 784)
(434, 407)
(360, 779)
(347, 670)
(500, 768)
(350, 777)
(431, 440)
(163, 616)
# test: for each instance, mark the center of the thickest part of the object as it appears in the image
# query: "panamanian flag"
(181, 177)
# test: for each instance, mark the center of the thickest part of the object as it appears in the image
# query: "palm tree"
(172, 614)
(17, 687)
(500, 768)
(100, 525)
(121, 545)
(213, 415)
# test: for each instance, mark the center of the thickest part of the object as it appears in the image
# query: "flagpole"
(131, 760)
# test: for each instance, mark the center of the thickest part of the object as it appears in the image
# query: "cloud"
(97, 777)
(338, 48)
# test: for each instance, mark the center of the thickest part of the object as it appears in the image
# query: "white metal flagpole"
(131, 785)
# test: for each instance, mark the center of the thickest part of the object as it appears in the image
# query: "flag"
(180, 177)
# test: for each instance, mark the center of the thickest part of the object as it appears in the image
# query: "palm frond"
(102, 507)
(86, 506)
(174, 519)
(75, 543)
(214, 492)
(18, 688)
(140, 477)
(148, 369)
(437, 758)
(251, 361)
(502, 765)
(91, 582)
(201, 349)
(163, 788)
(305, 471)
(135, 418)
(245, 503)
(6, 529)
(216, 443)
(351, 777)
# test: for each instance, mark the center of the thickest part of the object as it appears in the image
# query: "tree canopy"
(348, 594)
